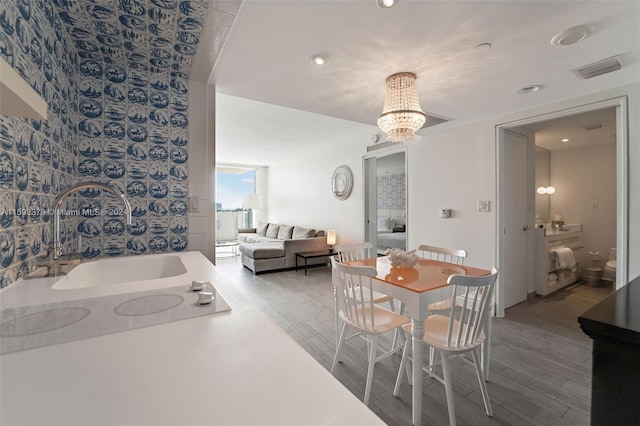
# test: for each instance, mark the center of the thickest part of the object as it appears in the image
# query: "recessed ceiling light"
(386, 4)
(529, 89)
(482, 47)
(319, 60)
(572, 35)
(565, 140)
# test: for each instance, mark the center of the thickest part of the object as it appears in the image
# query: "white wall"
(197, 165)
(584, 176)
(299, 184)
(454, 170)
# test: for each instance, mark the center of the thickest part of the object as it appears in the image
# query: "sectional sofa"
(273, 247)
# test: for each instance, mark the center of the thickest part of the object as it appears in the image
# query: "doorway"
(385, 200)
(510, 250)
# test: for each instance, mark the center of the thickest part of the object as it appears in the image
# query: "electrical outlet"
(595, 206)
(484, 206)
(445, 213)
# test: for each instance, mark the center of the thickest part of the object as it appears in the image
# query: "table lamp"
(331, 239)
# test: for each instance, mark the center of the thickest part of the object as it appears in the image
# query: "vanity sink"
(109, 272)
(40, 322)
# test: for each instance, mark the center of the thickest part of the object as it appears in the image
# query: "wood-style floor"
(540, 371)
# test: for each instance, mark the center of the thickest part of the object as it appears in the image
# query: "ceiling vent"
(593, 127)
(599, 68)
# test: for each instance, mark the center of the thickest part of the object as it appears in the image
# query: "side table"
(232, 244)
(306, 255)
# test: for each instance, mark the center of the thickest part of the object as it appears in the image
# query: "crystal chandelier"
(401, 116)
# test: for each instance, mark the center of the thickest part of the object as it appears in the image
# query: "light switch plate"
(194, 204)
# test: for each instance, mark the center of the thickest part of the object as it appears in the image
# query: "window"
(233, 184)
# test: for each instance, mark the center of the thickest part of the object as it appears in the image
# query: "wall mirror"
(342, 182)
(542, 178)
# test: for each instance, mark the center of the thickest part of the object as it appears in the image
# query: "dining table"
(417, 287)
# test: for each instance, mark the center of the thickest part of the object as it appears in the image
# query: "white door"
(515, 209)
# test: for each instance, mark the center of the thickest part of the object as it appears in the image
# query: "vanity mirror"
(542, 168)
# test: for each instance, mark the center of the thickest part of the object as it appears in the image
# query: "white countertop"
(231, 368)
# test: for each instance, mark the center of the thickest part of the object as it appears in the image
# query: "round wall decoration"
(342, 182)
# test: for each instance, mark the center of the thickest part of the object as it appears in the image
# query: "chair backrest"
(354, 293)
(442, 254)
(351, 252)
(474, 299)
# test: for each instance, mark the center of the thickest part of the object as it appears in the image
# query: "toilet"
(610, 268)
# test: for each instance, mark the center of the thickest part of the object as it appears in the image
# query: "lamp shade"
(401, 116)
(331, 237)
(548, 190)
(252, 201)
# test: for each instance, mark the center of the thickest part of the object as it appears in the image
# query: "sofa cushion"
(262, 250)
(262, 229)
(285, 232)
(272, 230)
(300, 232)
(254, 238)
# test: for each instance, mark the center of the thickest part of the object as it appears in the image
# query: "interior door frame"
(622, 183)
(367, 187)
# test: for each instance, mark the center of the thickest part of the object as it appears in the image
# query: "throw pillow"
(384, 223)
(285, 232)
(262, 229)
(272, 230)
(300, 232)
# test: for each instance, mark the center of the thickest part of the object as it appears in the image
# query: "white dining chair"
(360, 251)
(461, 331)
(441, 254)
(357, 310)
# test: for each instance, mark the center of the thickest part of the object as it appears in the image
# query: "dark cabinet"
(614, 326)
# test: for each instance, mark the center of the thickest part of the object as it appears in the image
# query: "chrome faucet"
(57, 247)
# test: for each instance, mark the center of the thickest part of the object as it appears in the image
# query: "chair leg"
(432, 355)
(403, 363)
(446, 375)
(483, 385)
(336, 358)
(337, 320)
(372, 364)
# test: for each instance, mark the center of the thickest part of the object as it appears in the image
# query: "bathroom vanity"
(546, 240)
(229, 367)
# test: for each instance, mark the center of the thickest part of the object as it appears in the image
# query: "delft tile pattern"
(128, 90)
(37, 158)
(392, 191)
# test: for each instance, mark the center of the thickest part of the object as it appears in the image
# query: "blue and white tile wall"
(37, 158)
(128, 92)
(392, 191)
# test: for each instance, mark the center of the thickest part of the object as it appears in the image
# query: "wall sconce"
(331, 239)
(548, 190)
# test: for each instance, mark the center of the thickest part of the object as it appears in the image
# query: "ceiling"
(266, 56)
(579, 129)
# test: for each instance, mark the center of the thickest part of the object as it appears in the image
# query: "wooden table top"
(426, 275)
